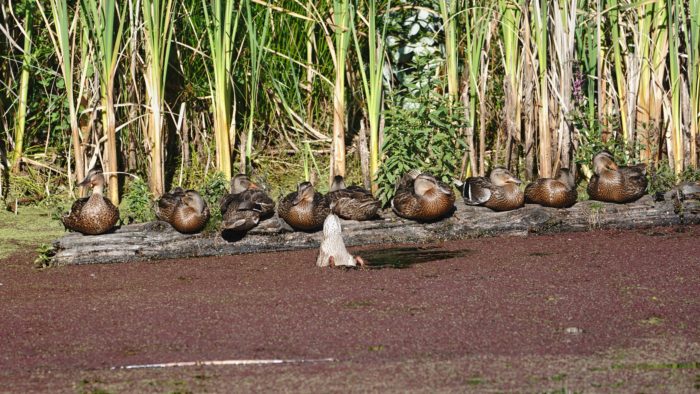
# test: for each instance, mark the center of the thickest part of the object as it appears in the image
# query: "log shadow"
(406, 257)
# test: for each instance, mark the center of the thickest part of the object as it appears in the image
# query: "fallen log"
(157, 240)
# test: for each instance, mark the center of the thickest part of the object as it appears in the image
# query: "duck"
(557, 192)
(352, 202)
(245, 206)
(499, 192)
(305, 209)
(421, 197)
(612, 183)
(332, 251)
(92, 215)
(185, 210)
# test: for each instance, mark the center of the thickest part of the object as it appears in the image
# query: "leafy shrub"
(215, 186)
(422, 132)
(137, 203)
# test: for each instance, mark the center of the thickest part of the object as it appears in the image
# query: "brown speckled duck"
(304, 209)
(419, 196)
(611, 183)
(95, 214)
(557, 192)
(185, 210)
(499, 191)
(353, 202)
(245, 206)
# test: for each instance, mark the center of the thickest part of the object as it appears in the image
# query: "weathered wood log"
(157, 240)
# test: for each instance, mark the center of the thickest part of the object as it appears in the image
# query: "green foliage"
(215, 186)
(136, 206)
(422, 132)
(45, 252)
(661, 179)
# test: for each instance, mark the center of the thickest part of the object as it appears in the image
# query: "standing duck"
(245, 206)
(499, 191)
(557, 192)
(419, 196)
(304, 209)
(95, 214)
(185, 210)
(611, 183)
(353, 202)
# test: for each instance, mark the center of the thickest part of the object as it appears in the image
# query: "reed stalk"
(676, 126)
(105, 30)
(256, 42)
(60, 38)
(511, 16)
(692, 44)
(342, 31)
(21, 112)
(157, 32)
(222, 26)
(371, 73)
(540, 38)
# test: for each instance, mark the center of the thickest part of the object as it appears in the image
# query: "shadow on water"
(405, 257)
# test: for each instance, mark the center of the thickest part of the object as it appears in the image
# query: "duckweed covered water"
(405, 257)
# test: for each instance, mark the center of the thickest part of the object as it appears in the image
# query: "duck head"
(241, 183)
(426, 183)
(604, 161)
(502, 177)
(95, 180)
(565, 176)
(193, 200)
(338, 183)
(305, 192)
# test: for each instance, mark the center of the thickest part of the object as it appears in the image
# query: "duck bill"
(85, 182)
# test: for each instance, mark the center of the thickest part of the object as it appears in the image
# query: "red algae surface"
(603, 311)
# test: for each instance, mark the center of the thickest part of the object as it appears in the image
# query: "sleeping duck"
(499, 191)
(611, 183)
(304, 209)
(419, 196)
(353, 202)
(95, 214)
(245, 206)
(185, 210)
(557, 192)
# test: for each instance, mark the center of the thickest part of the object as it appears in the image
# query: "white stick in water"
(332, 252)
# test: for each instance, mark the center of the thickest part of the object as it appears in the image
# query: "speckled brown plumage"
(421, 197)
(499, 191)
(245, 206)
(353, 202)
(185, 210)
(304, 209)
(95, 214)
(557, 192)
(611, 183)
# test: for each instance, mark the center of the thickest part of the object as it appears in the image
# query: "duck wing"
(167, 204)
(476, 190)
(353, 203)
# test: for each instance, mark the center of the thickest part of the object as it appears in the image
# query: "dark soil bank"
(599, 311)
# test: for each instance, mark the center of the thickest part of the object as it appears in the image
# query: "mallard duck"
(419, 196)
(245, 206)
(304, 209)
(353, 202)
(185, 210)
(557, 192)
(332, 251)
(611, 183)
(95, 214)
(499, 191)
